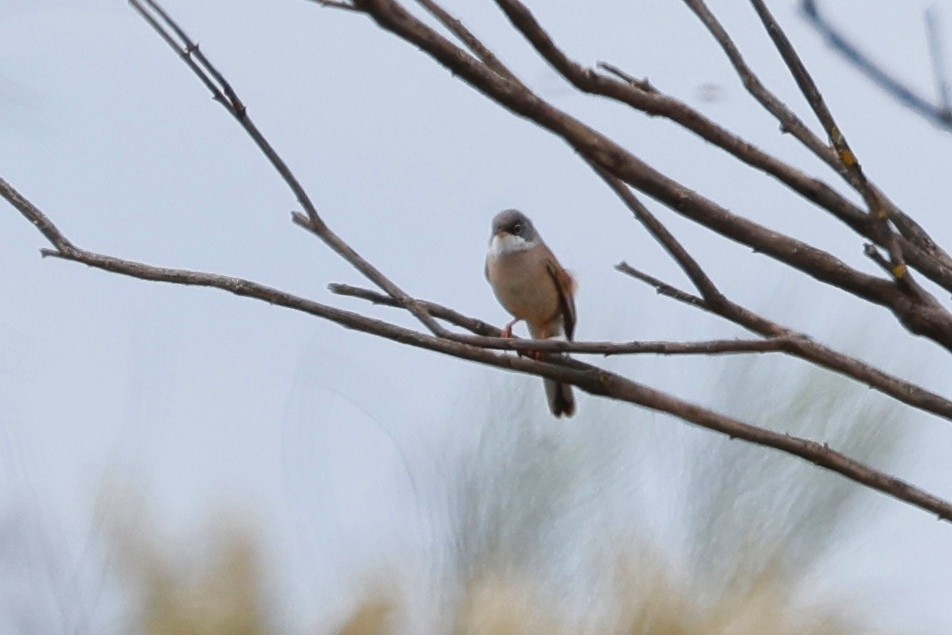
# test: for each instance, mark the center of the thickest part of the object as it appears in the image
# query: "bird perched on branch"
(531, 285)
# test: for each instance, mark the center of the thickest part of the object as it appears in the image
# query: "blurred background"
(178, 460)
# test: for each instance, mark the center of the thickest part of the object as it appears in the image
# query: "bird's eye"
(516, 229)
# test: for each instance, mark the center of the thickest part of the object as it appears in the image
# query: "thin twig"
(851, 167)
(702, 282)
(467, 37)
(881, 210)
(335, 4)
(806, 348)
(490, 335)
(789, 121)
(891, 84)
(937, 57)
(842, 159)
(209, 75)
(641, 84)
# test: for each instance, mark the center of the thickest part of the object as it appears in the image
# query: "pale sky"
(336, 442)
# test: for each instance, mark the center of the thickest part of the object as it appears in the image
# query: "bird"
(532, 286)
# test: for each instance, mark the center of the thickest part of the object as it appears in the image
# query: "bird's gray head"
(512, 232)
(514, 228)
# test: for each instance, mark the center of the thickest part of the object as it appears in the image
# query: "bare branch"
(805, 348)
(335, 4)
(641, 84)
(190, 53)
(789, 121)
(934, 262)
(937, 56)
(937, 263)
(467, 37)
(645, 98)
(889, 83)
(588, 378)
(616, 166)
(436, 310)
(881, 210)
(702, 282)
(639, 94)
(490, 335)
(35, 216)
(922, 318)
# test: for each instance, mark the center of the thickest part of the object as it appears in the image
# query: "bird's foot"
(506, 332)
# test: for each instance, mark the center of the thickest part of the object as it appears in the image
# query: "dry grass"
(526, 507)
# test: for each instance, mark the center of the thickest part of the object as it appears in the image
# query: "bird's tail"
(560, 398)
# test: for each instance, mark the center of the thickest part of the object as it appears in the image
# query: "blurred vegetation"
(212, 584)
(613, 523)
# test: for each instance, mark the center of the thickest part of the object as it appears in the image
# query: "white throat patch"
(503, 244)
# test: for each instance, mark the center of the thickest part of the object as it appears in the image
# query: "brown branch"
(909, 229)
(467, 37)
(588, 378)
(702, 282)
(641, 95)
(881, 210)
(789, 121)
(436, 310)
(712, 299)
(490, 335)
(641, 84)
(222, 91)
(805, 348)
(878, 208)
(917, 246)
(335, 4)
(652, 102)
(920, 318)
(934, 262)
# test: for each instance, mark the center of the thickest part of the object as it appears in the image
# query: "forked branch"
(588, 378)
(620, 169)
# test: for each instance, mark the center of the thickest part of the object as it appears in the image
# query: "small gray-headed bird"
(531, 285)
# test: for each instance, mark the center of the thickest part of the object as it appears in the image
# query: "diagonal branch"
(801, 346)
(937, 57)
(890, 83)
(474, 44)
(805, 348)
(591, 379)
(654, 103)
(917, 315)
(647, 99)
(879, 209)
(198, 63)
(789, 121)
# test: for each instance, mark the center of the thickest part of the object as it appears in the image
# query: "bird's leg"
(507, 330)
(507, 334)
(543, 333)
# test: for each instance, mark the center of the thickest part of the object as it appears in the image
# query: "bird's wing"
(565, 286)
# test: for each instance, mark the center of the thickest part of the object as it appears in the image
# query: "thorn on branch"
(642, 84)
